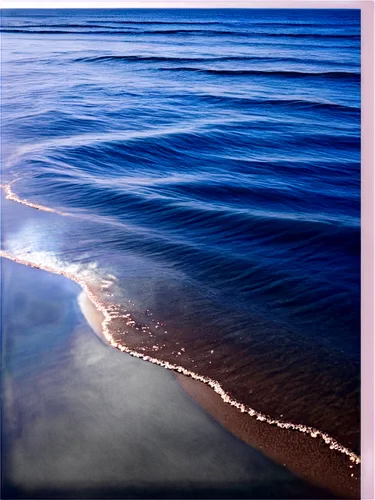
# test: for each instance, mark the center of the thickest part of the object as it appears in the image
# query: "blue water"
(211, 162)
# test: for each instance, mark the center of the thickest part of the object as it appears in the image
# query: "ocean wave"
(197, 202)
(89, 24)
(206, 59)
(189, 22)
(277, 73)
(282, 102)
(194, 221)
(11, 195)
(188, 31)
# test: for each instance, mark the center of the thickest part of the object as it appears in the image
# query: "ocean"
(198, 171)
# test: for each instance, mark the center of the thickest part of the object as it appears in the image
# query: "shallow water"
(208, 166)
(69, 399)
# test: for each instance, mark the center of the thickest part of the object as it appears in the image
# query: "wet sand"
(83, 420)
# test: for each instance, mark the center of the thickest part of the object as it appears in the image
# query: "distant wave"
(112, 22)
(180, 59)
(209, 32)
(172, 23)
(284, 73)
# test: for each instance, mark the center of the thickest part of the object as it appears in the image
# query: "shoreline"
(85, 280)
(209, 395)
(83, 421)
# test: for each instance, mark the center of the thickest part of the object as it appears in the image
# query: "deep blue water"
(212, 161)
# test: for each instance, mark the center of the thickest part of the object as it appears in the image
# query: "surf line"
(109, 313)
(11, 195)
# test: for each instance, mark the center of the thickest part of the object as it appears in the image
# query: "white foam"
(89, 284)
(23, 250)
(10, 195)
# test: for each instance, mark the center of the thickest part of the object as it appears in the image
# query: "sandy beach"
(83, 420)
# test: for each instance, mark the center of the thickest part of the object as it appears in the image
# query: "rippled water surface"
(204, 169)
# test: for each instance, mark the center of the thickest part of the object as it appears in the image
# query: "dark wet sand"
(83, 420)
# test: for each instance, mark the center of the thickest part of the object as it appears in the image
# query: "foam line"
(109, 313)
(10, 195)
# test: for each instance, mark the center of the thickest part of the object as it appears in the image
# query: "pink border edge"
(367, 253)
(367, 8)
